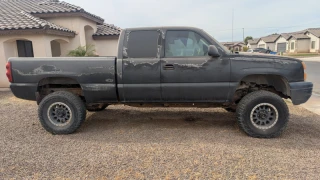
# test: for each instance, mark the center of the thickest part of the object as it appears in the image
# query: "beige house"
(268, 42)
(235, 46)
(314, 34)
(50, 28)
(253, 43)
(299, 43)
(282, 43)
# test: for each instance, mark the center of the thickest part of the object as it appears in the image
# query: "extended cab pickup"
(163, 66)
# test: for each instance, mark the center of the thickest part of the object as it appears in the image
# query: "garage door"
(281, 47)
(262, 46)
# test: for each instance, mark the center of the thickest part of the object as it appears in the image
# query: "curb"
(4, 89)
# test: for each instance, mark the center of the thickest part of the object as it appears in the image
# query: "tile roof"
(270, 38)
(314, 31)
(23, 20)
(299, 36)
(288, 35)
(26, 14)
(107, 30)
(253, 41)
(43, 7)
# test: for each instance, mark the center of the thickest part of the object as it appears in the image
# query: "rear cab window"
(142, 44)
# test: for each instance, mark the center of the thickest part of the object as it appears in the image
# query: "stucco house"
(268, 42)
(281, 44)
(314, 34)
(299, 43)
(236, 46)
(253, 43)
(50, 28)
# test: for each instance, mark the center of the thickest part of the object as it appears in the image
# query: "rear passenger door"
(141, 66)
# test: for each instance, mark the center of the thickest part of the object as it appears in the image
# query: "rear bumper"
(24, 91)
(300, 92)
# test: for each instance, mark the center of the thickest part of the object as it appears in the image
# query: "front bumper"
(300, 92)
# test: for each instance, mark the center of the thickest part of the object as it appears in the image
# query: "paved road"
(313, 71)
(154, 143)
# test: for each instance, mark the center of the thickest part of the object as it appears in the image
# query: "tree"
(247, 38)
(83, 51)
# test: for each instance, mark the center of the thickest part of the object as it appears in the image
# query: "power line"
(223, 30)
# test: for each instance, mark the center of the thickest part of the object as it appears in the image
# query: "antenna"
(232, 23)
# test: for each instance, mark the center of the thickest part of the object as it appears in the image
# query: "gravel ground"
(154, 143)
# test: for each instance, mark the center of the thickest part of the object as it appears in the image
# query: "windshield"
(221, 47)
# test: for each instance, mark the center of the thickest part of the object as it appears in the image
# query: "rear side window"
(143, 44)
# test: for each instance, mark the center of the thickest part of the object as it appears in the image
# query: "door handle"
(168, 67)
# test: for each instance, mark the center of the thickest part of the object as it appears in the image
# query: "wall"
(252, 46)
(261, 42)
(281, 40)
(107, 47)
(317, 40)
(76, 24)
(289, 46)
(8, 48)
(303, 46)
(271, 46)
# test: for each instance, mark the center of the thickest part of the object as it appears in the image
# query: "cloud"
(214, 16)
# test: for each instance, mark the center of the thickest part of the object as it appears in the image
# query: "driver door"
(188, 74)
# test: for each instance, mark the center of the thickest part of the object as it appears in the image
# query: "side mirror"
(213, 51)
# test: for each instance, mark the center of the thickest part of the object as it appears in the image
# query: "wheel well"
(49, 85)
(273, 83)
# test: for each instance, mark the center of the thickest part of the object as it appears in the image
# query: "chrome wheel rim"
(59, 114)
(264, 116)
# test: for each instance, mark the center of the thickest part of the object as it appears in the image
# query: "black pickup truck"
(168, 67)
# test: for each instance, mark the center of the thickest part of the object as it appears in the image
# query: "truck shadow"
(189, 125)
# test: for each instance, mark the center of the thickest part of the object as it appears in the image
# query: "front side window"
(142, 44)
(313, 45)
(185, 44)
(292, 45)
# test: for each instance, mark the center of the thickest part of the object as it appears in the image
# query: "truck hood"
(265, 57)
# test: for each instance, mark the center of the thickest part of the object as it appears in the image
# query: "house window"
(313, 45)
(25, 48)
(292, 45)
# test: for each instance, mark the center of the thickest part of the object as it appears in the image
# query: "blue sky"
(257, 17)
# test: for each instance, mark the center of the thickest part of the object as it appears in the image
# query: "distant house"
(235, 46)
(253, 43)
(268, 42)
(299, 43)
(50, 28)
(314, 34)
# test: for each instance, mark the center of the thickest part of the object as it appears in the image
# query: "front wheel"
(61, 112)
(262, 114)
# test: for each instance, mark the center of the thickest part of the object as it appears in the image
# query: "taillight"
(8, 73)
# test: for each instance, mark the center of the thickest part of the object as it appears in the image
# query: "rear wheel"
(262, 114)
(61, 112)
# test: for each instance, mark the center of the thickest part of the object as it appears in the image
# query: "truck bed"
(96, 75)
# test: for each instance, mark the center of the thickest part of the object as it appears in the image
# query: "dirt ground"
(154, 143)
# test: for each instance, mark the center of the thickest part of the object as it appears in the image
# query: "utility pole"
(243, 33)
(232, 24)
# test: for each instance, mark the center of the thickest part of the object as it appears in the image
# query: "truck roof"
(163, 27)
